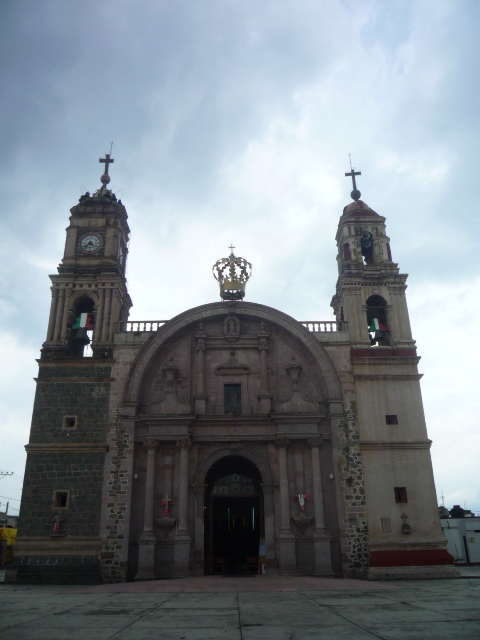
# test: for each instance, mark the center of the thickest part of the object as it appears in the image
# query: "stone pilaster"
(200, 397)
(198, 559)
(286, 538)
(147, 540)
(269, 518)
(321, 538)
(182, 538)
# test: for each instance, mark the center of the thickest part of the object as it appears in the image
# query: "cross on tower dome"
(355, 193)
(105, 178)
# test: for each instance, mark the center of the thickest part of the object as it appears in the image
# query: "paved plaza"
(250, 608)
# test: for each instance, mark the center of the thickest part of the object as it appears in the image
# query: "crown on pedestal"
(232, 274)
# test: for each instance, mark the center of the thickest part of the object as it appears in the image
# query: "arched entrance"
(234, 517)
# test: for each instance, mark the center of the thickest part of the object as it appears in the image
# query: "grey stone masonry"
(355, 525)
(80, 474)
(72, 388)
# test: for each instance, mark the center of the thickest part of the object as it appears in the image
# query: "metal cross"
(231, 247)
(353, 173)
(58, 523)
(106, 161)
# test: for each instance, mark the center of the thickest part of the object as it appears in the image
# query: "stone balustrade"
(321, 326)
(149, 326)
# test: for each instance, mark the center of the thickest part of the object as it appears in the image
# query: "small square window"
(391, 419)
(400, 494)
(60, 499)
(70, 422)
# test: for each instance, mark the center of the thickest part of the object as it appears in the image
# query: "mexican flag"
(83, 320)
(376, 325)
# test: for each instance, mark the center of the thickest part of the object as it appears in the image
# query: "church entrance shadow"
(234, 523)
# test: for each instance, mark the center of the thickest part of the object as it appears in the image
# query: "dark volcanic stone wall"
(79, 473)
(71, 389)
(65, 460)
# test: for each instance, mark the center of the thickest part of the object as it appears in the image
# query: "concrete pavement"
(253, 608)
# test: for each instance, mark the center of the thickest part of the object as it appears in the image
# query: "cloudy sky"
(232, 121)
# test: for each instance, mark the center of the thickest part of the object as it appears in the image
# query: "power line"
(7, 498)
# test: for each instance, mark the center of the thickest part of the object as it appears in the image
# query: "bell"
(81, 337)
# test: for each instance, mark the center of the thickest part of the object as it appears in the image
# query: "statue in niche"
(231, 327)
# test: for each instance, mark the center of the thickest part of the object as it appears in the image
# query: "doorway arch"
(234, 523)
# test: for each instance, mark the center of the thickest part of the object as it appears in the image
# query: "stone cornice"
(73, 380)
(67, 546)
(394, 544)
(67, 447)
(384, 444)
(380, 376)
(78, 362)
(383, 360)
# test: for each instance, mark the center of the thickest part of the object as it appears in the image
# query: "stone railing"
(321, 326)
(141, 326)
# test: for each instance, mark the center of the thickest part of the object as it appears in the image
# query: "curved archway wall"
(170, 422)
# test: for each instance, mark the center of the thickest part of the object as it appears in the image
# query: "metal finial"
(355, 194)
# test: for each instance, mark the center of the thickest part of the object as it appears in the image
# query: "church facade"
(232, 438)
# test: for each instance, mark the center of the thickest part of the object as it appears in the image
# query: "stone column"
(286, 538)
(321, 539)
(269, 516)
(147, 539)
(106, 310)
(181, 561)
(264, 396)
(63, 336)
(98, 320)
(51, 319)
(199, 558)
(60, 297)
(113, 314)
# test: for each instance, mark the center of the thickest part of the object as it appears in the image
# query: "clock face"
(90, 243)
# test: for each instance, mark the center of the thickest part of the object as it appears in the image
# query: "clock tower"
(62, 496)
(89, 292)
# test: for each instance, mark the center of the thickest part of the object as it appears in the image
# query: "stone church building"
(232, 438)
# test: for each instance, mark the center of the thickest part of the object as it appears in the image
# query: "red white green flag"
(84, 320)
(376, 325)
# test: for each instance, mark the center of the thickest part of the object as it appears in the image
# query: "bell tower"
(89, 291)
(370, 294)
(404, 533)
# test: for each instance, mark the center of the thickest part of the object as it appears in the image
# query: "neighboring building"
(232, 436)
(462, 530)
(7, 520)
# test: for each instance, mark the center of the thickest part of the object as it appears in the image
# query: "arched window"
(377, 321)
(346, 252)
(366, 242)
(389, 252)
(81, 331)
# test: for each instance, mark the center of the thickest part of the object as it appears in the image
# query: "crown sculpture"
(232, 274)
